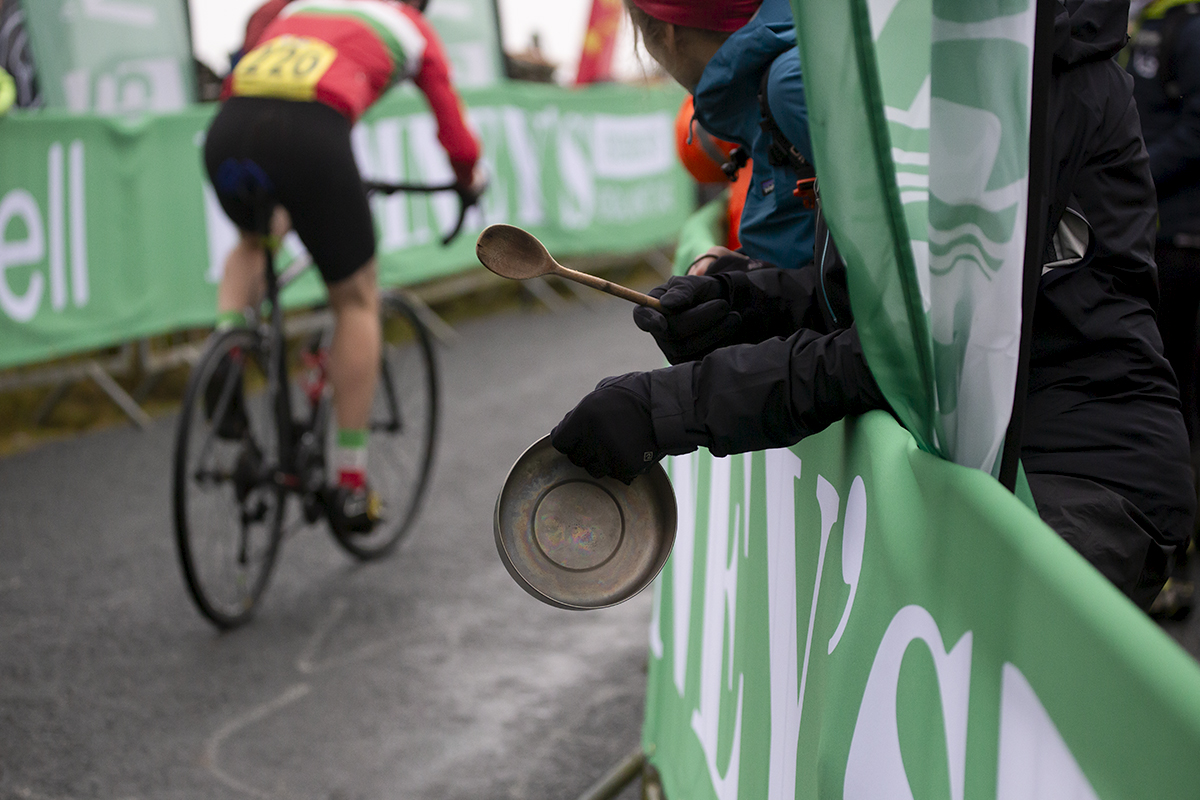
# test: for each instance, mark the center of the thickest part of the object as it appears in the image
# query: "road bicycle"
(231, 488)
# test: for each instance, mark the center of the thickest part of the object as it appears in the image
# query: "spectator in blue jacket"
(736, 49)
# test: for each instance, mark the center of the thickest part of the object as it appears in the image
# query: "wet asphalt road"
(427, 675)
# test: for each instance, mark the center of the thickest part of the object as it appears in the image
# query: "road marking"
(338, 610)
(212, 748)
(308, 662)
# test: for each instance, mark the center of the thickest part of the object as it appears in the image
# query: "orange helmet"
(704, 156)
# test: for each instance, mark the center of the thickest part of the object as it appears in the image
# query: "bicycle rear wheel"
(403, 429)
(228, 506)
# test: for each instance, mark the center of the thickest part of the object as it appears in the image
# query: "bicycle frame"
(290, 477)
(277, 380)
(225, 577)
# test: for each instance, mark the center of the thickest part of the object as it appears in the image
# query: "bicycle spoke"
(394, 423)
(218, 414)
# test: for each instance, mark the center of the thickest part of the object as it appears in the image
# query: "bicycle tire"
(403, 429)
(227, 544)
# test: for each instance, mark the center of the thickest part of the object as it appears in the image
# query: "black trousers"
(1106, 529)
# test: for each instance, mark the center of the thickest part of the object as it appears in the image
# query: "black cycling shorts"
(304, 148)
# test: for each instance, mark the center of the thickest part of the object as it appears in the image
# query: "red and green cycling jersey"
(346, 54)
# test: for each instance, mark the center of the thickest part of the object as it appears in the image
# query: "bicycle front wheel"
(403, 429)
(228, 505)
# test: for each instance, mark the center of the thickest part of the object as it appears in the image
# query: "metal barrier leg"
(589, 297)
(617, 778)
(117, 394)
(155, 365)
(661, 264)
(543, 291)
(150, 375)
(51, 402)
(441, 330)
(651, 783)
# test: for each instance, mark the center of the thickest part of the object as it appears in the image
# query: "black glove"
(696, 317)
(610, 432)
(729, 263)
(703, 313)
(472, 186)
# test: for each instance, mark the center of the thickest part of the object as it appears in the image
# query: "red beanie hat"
(725, 16)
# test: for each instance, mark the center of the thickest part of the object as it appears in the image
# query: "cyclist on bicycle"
(309, 70)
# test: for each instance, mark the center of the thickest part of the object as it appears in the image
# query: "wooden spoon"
(513, 253)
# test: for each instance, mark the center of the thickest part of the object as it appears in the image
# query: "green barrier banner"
(919, 111)
(109, 230)
(855, 618)
(112, 56)
(471, 33)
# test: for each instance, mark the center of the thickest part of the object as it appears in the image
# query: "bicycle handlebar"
(466, 199)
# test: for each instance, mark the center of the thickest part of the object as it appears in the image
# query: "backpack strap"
(708, 144)
(783, 153)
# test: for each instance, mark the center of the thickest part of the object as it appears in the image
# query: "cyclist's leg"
(318, 182)
(354, 354)
(243, 281)
(353, 372)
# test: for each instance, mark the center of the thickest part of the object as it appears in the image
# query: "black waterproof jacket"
(1102, 403)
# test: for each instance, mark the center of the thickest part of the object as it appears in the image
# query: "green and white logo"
(956, 99)
(928, 165)
(112, 56)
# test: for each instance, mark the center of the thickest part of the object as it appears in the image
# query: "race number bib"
(286, 66)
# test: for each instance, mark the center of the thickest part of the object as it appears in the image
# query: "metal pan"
(578, 542)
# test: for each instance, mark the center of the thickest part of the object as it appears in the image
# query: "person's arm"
(761, 396)
(433, 79)
(737, 399)
(1176, 153)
